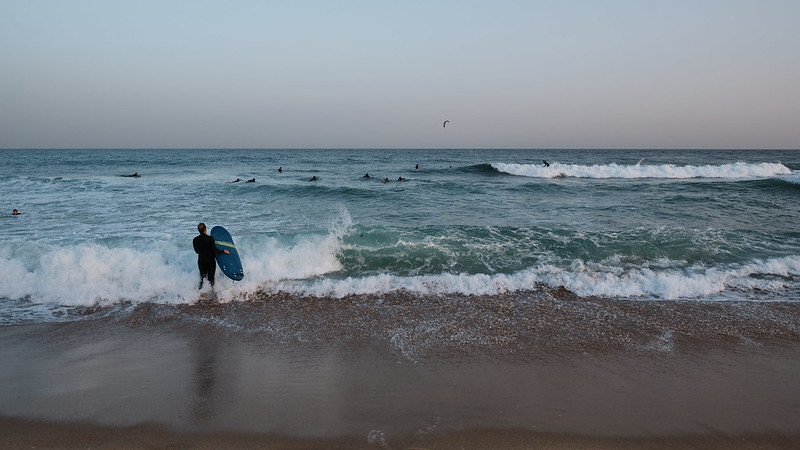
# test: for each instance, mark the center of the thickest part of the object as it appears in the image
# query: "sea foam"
(736, 282)
(164, 271)
(559, 170)
(94, 274)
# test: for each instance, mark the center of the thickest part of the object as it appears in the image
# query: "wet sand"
(550, 372)
(25, 434)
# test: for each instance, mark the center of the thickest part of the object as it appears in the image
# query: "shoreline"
(549, 371)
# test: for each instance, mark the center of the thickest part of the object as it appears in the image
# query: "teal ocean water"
(698, 226)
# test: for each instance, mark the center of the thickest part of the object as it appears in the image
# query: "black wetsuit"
(206, 249)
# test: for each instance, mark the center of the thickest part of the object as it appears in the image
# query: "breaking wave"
(737, 170)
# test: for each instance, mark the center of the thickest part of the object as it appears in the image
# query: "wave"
(747, 281)
(55, 279)
(791, 179)
(487, 169)
(737, 170)
(163, 272)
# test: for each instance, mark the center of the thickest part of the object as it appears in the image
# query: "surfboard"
(231, 265)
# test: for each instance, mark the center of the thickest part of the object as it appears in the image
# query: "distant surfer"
(385, 180)
(546, 164)
(206, 249)
(251, 180)
(133, 175)
(280, 169)
(366, 175)
(15, 213)
(234, 181)
(400, 179)
(417, 166)
(314, 178)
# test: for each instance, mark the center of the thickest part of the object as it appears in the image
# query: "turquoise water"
(627, 224)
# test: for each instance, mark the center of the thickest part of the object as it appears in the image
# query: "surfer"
(385, 180)
(15, 213)
(280, 169)
(206, 249)
(314, 178)
(366, 175)
(546, 164)
(234, 181)
(251, 180)
(401, 179)
(133, 175)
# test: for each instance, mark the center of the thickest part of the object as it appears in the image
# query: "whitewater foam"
(559, 170)
(164, 272)
(97, 275)
(670, 283)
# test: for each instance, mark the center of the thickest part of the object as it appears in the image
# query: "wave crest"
(558, 170)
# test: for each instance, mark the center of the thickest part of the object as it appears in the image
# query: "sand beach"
(407, 373)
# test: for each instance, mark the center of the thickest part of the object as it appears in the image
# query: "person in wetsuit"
(206, 249)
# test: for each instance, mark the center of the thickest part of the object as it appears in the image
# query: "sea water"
(646, 225)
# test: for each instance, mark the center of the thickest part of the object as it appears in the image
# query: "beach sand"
(407, 373)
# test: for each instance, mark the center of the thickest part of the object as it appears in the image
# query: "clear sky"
(386, 74)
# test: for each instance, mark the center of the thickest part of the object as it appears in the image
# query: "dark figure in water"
(15, 213)
(133, 175)
(401, 179)
(314, 178)
(366, 176)
(206, 249)
(280, 169)
(251, 180)
(546, 164)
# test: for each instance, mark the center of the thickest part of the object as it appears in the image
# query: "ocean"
(605, 293)
(701, 226)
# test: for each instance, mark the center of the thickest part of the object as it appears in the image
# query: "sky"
(387, 74)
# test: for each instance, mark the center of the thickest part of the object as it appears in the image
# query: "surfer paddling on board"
(206, 249)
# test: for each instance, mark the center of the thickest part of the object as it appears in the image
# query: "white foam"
(556, 170)
(694, 282)
(166, 272)
(95, 274)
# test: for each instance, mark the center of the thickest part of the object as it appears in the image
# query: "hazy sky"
(373, 73)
